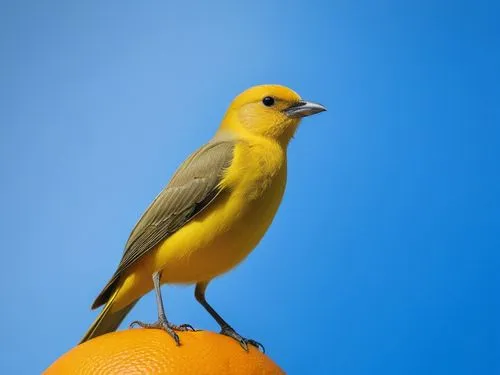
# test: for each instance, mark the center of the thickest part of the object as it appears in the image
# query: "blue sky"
(383, 258)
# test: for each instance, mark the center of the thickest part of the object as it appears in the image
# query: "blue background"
(383, 258)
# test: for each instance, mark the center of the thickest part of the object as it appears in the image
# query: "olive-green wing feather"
(192, 188)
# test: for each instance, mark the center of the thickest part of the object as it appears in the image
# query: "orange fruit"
(152, 351)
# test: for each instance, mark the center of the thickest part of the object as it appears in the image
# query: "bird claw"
(183, 327)
(257, 344)
(242, 340)
(162, 324)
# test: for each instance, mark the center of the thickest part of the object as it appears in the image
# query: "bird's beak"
(303, 109)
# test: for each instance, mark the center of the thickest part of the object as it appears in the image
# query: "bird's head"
(268, 110)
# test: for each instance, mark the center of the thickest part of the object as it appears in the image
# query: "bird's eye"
(268, 101)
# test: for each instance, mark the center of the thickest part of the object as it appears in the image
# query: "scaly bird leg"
(162, 321)
(226, 329)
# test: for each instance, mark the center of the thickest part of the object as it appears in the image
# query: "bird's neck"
(280, 133)
(287, 134)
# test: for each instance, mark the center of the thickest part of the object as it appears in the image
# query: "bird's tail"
(107, 320)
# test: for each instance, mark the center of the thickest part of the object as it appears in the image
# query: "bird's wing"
(192, 188)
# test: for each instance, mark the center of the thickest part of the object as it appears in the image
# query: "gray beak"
(303, 109)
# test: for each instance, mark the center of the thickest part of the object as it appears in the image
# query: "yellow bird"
(212, 214)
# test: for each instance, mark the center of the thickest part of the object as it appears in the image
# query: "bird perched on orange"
(215, 210)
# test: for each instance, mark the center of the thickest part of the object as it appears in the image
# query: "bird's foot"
(162, 323)
(228, 331)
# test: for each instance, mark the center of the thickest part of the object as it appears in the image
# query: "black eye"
(268, 101)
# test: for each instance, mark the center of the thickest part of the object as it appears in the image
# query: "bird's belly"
(215, 242)
(204, 248)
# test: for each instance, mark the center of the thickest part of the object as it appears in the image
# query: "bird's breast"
(257, 169)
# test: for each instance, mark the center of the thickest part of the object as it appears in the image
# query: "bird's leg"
(162, 321)
(226, 329)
